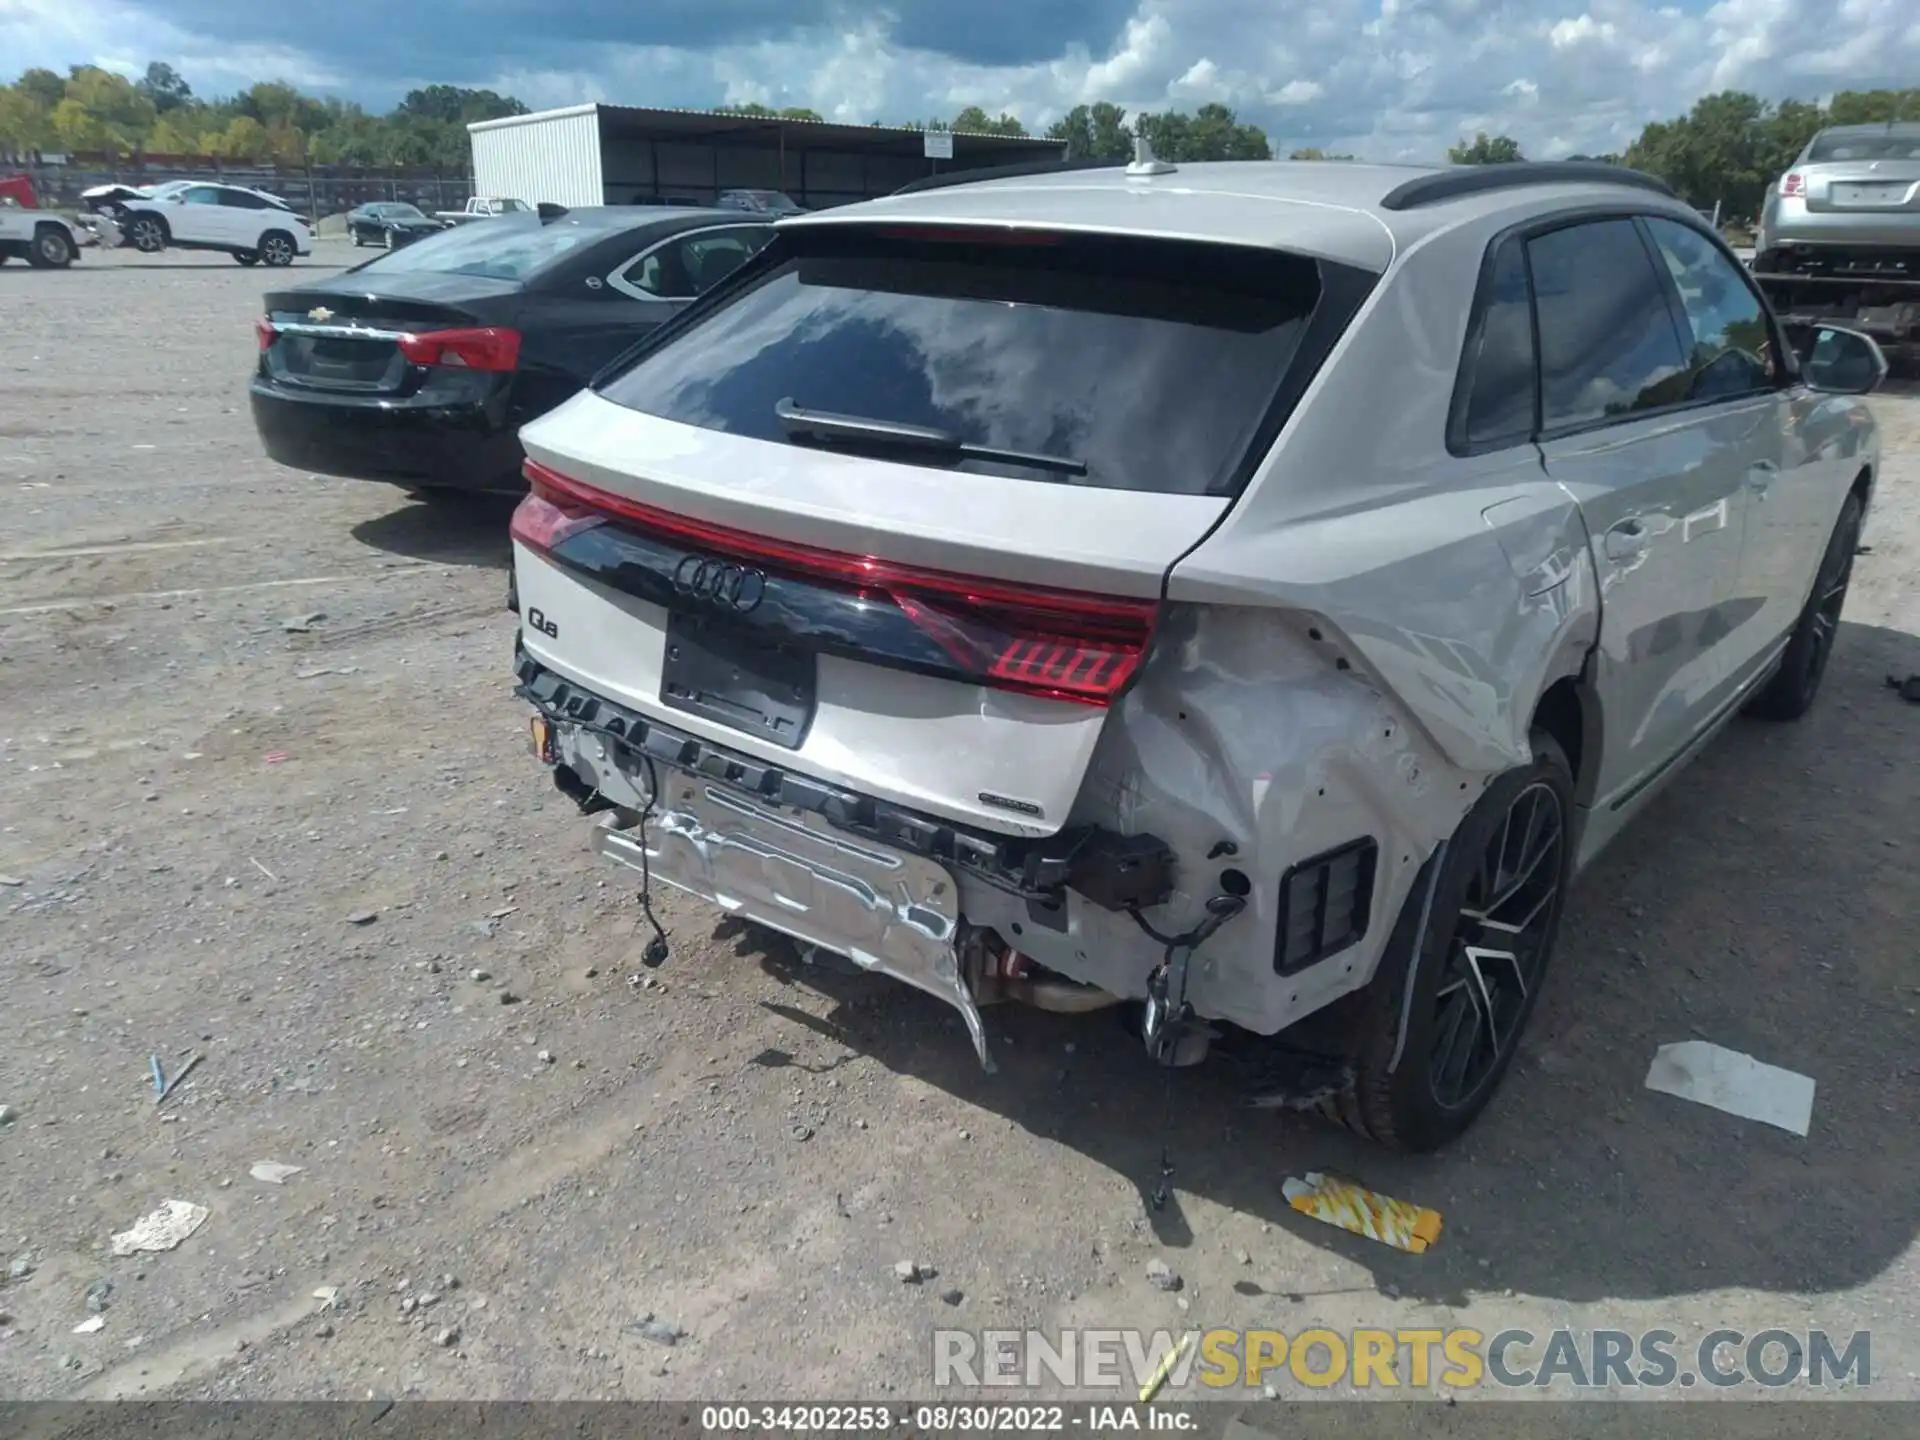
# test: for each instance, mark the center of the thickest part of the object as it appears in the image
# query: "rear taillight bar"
(1062, 644)
(491, 347)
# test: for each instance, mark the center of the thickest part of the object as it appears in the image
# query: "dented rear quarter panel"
(1356, 650)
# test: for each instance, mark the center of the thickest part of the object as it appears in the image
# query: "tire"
(357, 241)
(277, 249)
(1790, 693)
(50, 249)
(389, 239)
(148, 234)
(247, 257)
(1474, 971)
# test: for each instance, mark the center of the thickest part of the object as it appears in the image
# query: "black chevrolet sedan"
(419, 367)
(390, 223)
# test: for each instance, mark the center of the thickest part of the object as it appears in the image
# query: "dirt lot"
(197, 801)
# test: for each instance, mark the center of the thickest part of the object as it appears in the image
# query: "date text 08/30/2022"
(941, 1419)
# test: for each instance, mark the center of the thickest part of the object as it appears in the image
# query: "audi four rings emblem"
(720, 583)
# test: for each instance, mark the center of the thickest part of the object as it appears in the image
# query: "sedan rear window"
(499, 249)
(1113, 362)
(1890, 144)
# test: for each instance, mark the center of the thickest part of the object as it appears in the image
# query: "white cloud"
(1388, 79)
(1568, 33)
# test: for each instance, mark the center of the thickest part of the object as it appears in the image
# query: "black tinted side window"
(1498, 363)
(1732, 349)
(1608, 346)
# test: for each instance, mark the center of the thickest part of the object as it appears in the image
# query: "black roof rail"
(1004, 172)
(1458, 180)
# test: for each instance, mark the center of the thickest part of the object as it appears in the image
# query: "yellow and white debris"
(1378, 1217)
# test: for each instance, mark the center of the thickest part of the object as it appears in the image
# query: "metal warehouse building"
(623, 155)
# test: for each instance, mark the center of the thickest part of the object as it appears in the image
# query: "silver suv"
(1246, 593)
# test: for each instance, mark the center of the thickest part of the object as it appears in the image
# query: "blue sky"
(1390, 79)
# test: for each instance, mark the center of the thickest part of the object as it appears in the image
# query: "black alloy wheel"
(1497, 957)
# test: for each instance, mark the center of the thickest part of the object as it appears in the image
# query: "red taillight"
(1793, 183)
(264, 332)
(1063, 644)
(490, 348)
(548, 516)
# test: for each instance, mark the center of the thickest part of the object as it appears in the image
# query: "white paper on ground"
(91, 1325)
(165, 1228)
(1710, 1074)
(273, 1172)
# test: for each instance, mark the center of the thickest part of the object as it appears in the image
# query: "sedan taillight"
(264, 332)
(1793, 183)
(491, 348)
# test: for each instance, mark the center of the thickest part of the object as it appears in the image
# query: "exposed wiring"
(657, 951)
(1168, 1012)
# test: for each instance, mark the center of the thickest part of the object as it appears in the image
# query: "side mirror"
(1838, 361)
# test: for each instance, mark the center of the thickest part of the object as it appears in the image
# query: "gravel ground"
(203, 805)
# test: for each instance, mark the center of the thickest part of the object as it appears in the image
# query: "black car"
(391, 223)
(774, 204)
(420, 366)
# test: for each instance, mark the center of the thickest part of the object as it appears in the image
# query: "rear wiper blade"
(894, 434)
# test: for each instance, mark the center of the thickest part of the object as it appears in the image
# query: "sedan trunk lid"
(344, 335)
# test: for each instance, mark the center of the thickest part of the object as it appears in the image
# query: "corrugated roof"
(715, 124)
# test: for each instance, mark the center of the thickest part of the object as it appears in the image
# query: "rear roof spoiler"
(1461, 180)
(549, 212)
(1004, 172)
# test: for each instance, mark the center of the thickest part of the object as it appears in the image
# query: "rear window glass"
(1897, 145)
(503, 249)
(1153, 365)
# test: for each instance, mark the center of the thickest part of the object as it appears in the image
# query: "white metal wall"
(552, 156)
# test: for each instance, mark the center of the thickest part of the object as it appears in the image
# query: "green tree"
(350, 137)
(1212, 132)
(1314, 152)
(77, 128)
(1873, 107)
(1094, 132)
(105, 108)
(753, 107)
(245, 138)
(975, 121)
(1485, 149)
(43, 86)
(164, 87)
(454, 104)
(25, 123)
(177, 133)
(1218, 134)
(1720, 152)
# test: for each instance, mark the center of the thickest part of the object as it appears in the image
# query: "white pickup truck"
(483, 207)
(43, 239)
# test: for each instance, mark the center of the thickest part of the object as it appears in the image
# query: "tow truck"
(43, 239)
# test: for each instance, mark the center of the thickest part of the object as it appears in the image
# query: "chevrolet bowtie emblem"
(319, 314)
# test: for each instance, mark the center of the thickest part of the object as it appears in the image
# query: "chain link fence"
(316, 191)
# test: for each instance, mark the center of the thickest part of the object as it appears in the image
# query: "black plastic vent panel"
(1324, 904)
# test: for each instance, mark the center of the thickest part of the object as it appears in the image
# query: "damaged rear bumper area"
(874, 882)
